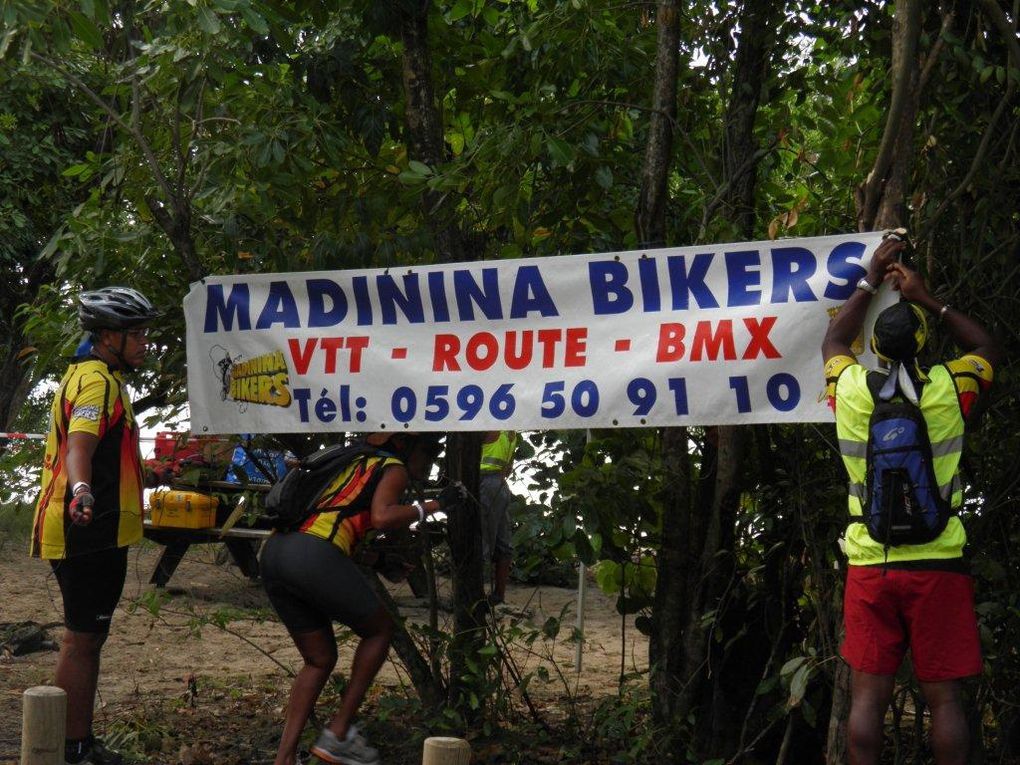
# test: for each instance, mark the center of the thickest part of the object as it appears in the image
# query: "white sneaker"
(353, 750)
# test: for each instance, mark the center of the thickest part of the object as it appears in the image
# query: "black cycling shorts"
(91, 585)
(311, 583)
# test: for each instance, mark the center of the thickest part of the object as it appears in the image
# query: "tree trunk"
(665, 647)
(425, 143)
(650, 220)
(425, 129)
(666, 643)
(464, 451)
(880, 202)
(758, 21)
(713, 567)
(430, 691)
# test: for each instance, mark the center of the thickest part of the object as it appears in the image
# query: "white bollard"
(443, 750)
(44, 717)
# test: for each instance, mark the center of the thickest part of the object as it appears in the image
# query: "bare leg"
(950, 738)
(78, 674)
(376, 634)
(318, 649)
(869, 699)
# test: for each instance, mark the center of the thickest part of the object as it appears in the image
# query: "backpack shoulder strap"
(875, 380)
(878, 379)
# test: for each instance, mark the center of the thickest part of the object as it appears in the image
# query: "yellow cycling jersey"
(90, 399)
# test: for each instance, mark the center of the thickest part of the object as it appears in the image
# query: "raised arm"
(970, 336)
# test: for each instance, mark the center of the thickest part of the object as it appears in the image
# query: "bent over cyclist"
(312, 582)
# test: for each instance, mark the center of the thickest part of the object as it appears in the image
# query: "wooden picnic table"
(241, 542)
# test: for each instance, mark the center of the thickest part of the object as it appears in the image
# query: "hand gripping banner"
(709, 335)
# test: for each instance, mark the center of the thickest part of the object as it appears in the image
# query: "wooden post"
(42, 726)
(442, 750)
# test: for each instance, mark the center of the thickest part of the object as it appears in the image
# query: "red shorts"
(930, 612)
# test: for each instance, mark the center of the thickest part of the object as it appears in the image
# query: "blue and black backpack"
(902, 504)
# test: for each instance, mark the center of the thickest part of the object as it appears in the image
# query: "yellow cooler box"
(182, 509)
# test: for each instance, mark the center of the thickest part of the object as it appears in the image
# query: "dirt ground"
(175, 691)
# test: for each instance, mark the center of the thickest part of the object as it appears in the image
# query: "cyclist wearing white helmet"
(90, 506)
(114, 316)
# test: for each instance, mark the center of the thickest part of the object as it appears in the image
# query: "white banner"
(708, 335)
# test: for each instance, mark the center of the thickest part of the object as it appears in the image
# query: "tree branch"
(744, 168)
(131, 130)
(979, 158)
(994, 13)
(1012, 58)
(936, 50)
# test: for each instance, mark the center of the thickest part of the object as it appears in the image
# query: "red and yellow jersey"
(343, 514)
(91, 399)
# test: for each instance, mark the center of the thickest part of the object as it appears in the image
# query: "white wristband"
(80, 485)
(421, 510)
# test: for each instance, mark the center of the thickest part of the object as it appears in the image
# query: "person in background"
(498, 448)
(312, 582)
(90, 506)
(917, 596)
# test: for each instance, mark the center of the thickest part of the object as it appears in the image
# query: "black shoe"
(99, 754)
(494, 600)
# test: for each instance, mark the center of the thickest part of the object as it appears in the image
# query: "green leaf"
(419, 168)
(460, 9)
(562, 153)
(51, 246)
(74, 170)
(208, 21)
(792, 665)
(604, 177)
(5, 42)
(551, 628)
(254, 20)
(798, 685)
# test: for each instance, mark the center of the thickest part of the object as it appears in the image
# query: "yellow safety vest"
(941, 410)
(496, 457)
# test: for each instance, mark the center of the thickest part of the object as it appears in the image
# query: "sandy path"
(151, 657)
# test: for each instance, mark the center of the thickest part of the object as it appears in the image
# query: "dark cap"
(900, 333)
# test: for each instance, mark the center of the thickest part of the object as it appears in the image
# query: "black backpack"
(293, 498)
(902, 503)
